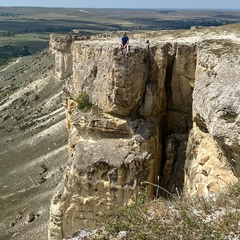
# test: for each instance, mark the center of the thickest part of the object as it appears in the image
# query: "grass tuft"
(83, 101)
(215, 218)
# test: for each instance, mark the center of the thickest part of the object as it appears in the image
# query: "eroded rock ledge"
(138, 127)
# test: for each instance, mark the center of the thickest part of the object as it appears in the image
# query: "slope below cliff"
(33, 149)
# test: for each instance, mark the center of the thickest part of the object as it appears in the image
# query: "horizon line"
(123, 8)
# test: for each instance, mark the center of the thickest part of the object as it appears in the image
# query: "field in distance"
(23, 19)
(25, 30)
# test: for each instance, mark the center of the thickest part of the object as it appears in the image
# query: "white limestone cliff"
(170, 108)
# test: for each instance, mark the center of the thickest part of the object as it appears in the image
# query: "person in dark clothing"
(124, 41)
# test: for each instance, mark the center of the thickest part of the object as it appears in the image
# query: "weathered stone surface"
(63, 42)
(207, 168)
(155, 93)
(63, 65)
(138, 127)
(183, 77)
(115, 82)
(61, 47)
(179, 97)
(105, 172)
(216, 102)
(213, 152)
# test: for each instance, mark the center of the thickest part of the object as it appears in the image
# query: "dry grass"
(221, 46)
(215, 218)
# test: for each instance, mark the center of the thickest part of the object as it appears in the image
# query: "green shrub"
(83, 101)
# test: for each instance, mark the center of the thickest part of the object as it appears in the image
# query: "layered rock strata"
(136, 133)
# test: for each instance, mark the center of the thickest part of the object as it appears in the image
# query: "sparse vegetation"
(215, 218)
(21, 45)
(7, 91)
(26, 126)
(221, 46)
(83, 101)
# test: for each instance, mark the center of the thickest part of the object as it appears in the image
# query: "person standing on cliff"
(124, 42)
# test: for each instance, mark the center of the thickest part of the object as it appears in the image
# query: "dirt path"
(11, 64)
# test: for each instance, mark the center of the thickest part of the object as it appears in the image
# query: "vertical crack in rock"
(179, 83)
(179, 108)
(169, 72)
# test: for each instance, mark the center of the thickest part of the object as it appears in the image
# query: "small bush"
(83, 101)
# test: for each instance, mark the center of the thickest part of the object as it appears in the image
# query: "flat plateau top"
(195, 35)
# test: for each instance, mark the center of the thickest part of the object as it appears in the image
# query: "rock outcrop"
(213, 148)
(160, 114)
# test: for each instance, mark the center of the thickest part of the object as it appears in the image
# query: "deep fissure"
(174, 139)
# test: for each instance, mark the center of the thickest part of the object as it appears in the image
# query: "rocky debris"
(85, 234)
(122, 235)
(8, 131)
(4, 118)
(7, 87)
(30, 217)
(19, 216)
(9, 140)
(36, 97)
(44, 169)
(15, 234)
(12, 224)
(82, 234)
(42, 180)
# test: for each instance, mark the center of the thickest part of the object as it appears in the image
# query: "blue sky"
(202, 4)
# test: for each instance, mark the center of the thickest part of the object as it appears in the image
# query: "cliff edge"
(166, 113)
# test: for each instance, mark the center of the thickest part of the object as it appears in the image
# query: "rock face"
(160, 114)
(213, 147)
(105, 179)
(61, 46)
